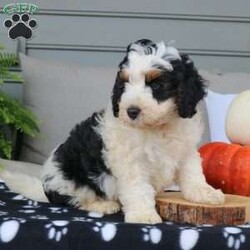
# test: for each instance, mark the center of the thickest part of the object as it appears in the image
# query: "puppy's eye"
(155, 85)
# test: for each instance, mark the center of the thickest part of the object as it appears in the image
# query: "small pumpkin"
(238, 119)
(227, 166)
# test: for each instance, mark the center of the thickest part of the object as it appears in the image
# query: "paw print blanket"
(27, 225)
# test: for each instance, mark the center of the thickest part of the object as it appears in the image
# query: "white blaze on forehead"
(142, 58)
(143, 63)
(135, 91)
(167, 52)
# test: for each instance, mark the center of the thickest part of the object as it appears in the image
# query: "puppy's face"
(147, 99)
(154, 84)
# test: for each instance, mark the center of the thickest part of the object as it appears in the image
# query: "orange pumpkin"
(227, 166)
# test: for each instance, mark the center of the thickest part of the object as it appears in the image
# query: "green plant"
(8, 60)
(14, 117)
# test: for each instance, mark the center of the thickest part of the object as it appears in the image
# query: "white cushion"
(61, 95)
(217, 108)
(222, 83)
(21, 167)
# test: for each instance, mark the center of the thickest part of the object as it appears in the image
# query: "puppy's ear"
(191, 89)
(118, 89)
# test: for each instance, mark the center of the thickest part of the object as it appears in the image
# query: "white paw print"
(2, 203)
(27, 211)
(58, 210)
(189, 237)
(19, 197)
(2, 186)
(95, 215)
(107, 230)
(31, 204)
(245, 226)
(21, 220)
(30, 207)
(205, 225)
(9, 228)
(234, 237)
(2, 213)
(39, 217)
(168, 223)
(56, 229)
(152, 234)
(82, 219)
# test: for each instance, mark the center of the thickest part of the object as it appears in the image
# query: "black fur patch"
(184, 84)
(80, 157)
(163, 87)
(191, 88)
(146, 44)
(117, 92)
(58, 199)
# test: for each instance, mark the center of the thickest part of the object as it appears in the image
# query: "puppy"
(143, 142)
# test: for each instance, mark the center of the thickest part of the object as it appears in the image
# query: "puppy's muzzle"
(133, 112)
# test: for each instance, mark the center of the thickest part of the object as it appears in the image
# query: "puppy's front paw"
(102, 206)
(204, 194)
(149, 217)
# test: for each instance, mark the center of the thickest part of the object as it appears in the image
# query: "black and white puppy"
(143, 142)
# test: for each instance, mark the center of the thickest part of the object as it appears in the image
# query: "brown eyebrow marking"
(152, 74)
(124, 75)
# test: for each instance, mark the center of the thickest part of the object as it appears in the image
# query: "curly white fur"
(147, 161)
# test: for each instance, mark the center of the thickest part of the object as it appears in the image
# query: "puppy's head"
(154, 84)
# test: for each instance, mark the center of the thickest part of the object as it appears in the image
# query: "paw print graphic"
(2, 203)
(20, 26)
(27, 211)
(21, 220)
(169, 223)
(107, 230)
(3, 213)
(30, 207)
(58, 210)
(247, 225)
(9, 228)
(152, 234)
(39, 217)
(2, 186)
(56, 229)
(82, 219)
(19, 197)
(189, 237)
(95, 215)
(31, 204)
(234, 237)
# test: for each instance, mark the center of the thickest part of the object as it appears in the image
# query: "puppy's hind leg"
(84, 199)
(87, 199)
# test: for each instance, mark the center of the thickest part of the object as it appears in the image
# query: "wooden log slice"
(172, 207)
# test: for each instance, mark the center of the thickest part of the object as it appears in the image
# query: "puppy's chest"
(160, 146)
(163, 156)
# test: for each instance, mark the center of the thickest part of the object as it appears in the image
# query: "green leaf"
(5, 147)
(1, 167)
(8, 60)
(12, 113)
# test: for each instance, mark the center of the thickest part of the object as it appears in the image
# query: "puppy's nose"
(133, 112)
